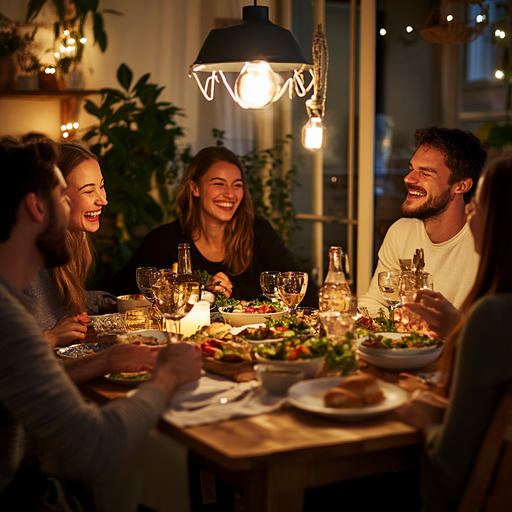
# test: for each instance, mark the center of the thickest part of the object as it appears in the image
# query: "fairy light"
(75, 125)
(49, 71)
(499, 33)
(83, 40)
(66, 32)
(449, 17)
(71, 41)
(65, 135)
(383, 31)
(409, 29)
(499, 74)
(63, 128)
(480, 18)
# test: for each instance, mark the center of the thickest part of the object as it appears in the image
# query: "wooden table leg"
(275, 488)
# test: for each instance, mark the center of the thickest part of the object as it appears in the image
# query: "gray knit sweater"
(77, 438)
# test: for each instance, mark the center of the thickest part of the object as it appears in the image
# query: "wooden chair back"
(489, 487)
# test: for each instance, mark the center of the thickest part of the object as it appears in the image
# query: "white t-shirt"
(453, 264)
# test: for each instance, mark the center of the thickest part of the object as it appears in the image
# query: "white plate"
(82, 349)
(238, 319)
(236, 330)
(126, 382)
(161, 336)
(308, 395)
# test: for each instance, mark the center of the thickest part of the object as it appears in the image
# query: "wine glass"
(389, 288)
(173, 298)
(143, 278)
(292, 287)
(268, 283)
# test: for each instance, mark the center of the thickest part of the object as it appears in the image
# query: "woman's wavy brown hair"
(238, 235)
(495, 271)
(70, 279)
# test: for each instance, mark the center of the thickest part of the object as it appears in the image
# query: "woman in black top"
(226, 238)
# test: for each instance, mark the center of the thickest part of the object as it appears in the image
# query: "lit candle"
(198, 316)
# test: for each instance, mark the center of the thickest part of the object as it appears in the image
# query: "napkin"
(213, 399)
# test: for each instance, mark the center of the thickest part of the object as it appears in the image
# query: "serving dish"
(237, 330)
(276, 379)
(127, 302)
(238, 319)
(82, 349)
(309, 396)
(162, 337)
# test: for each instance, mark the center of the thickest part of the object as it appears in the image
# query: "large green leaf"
(124, 76)
(99, 33)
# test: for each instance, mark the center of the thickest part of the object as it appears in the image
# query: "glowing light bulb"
(383, 31)
(502, 34)
(69, 49)
(69, 126)
(75, 125)
(499, 74)
(66, 32)
(71, 41)
(62, 49)
(449, 17)
(257, 85)
(65, 135)
(409, 29)
(480, 18)
(83, 40)
(63, 128)
(313, 134)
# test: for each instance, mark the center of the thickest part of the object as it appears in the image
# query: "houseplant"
(136, 139)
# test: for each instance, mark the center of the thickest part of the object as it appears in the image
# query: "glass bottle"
(335, 294)
(188, 283)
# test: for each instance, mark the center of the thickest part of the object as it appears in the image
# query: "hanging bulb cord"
(315, 106)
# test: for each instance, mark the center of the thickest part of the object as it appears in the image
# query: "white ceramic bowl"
(238, 319)
(310, 366)
(277, 379)
(127, 302)
(409, 359)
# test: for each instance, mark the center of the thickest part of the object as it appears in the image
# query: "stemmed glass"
(292, 287)
(268, 283)
(389, 288)
(172, 298)
(143, 277)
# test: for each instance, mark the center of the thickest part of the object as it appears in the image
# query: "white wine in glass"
(292, 287)
(143, 277)
(389, 288)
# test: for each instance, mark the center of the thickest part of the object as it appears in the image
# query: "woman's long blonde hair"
(70, 279)
(238, 235)
(494, 271)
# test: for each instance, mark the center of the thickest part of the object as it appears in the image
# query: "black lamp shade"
(254, 38)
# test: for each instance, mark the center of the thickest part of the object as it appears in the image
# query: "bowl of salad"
(309, 355)
(274, 329)
(241, 312)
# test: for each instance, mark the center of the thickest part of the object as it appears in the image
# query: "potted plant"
(14, 49)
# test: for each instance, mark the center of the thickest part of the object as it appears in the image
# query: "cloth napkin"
(214, 398)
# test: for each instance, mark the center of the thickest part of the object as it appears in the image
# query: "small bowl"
(276, 378)
(127, 302)
(310, 366)
(239, 319)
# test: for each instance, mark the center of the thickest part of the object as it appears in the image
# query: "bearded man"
(442, 179)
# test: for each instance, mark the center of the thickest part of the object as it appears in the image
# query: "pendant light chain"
(315, 106)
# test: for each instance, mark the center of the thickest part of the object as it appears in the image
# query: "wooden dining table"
(273, 458)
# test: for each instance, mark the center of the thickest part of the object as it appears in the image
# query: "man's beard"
(52, 242)
(429, 209)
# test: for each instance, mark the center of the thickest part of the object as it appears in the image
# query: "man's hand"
(177, 363)
(68, 330)
(220, 283)
(439, 313)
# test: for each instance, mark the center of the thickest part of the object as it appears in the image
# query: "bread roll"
(364, 386)
(341, 398)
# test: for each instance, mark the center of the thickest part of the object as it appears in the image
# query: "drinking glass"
(292, 287)
(268, 283)
(143, 277)
(172, 297)
(409, 284)
(338, 321)
(389, 288)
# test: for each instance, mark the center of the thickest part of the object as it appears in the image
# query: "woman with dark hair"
(217, 220)
(59, 294)
(478, 354)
